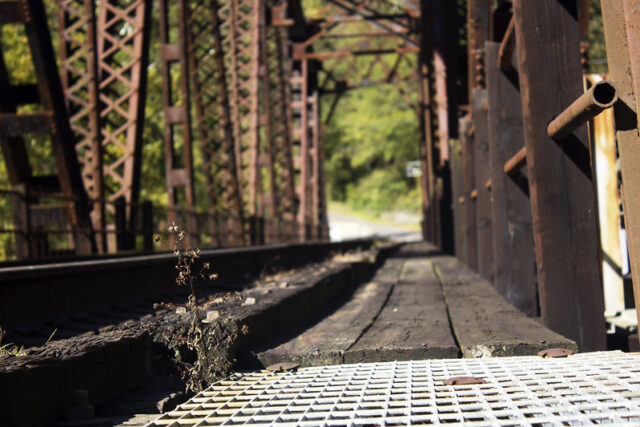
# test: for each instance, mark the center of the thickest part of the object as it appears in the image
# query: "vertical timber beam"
(479, 32)
(515, 275)
(177, 117)
(455, 163)
(562, 197)
(480, 109)
(621, 21)
(427, 132)
(444, 49)
(468, 185)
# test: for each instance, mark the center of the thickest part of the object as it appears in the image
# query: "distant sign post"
(412, 169)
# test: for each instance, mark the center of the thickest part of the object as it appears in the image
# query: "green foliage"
(372, 134)
(597, 48)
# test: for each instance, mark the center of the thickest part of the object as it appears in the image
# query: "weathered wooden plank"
(484, 324)
(562, 200)
(482, 174)
(326, 342)
(468, 184)
(412, 325)
(457, 199)
(624, 67)
(515, 276)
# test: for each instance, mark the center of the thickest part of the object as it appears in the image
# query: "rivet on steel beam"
(464, 381)
(599, 97)
(555, 352)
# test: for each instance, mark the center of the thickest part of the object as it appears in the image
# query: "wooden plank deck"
(420, 304)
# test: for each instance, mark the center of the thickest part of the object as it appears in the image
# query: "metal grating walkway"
(584, 389)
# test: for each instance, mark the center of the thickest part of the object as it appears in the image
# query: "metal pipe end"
(604, 94)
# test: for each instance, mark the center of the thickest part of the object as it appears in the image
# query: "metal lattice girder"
(368, 43)
(79, 76)
(52, 120)
(177, 116)
(241, 35)
(278, 102)
(213, 120)
(583, 389)
(123, 50)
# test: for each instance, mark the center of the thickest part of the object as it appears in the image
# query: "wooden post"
(457, 199)
(515, 275)
(482, 174)
(562, 201)
(468, 184)
(621, 19)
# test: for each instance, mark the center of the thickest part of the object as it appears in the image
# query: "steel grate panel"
(584, 389)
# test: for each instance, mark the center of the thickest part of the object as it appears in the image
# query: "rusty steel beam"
(79, 77)
(241, 32)
(318, 196)
(213, 121)
(621, 21)
(281, 174)
(598, 98)
(67, 183)
(304, 192)
(123, 56)
(178, 155)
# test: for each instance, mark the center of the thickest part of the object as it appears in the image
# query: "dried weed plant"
(190, 273)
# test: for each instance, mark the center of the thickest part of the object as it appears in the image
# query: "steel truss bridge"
(508, 177)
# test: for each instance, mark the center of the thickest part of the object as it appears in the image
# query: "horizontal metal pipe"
(516, 162)
(601, 96)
